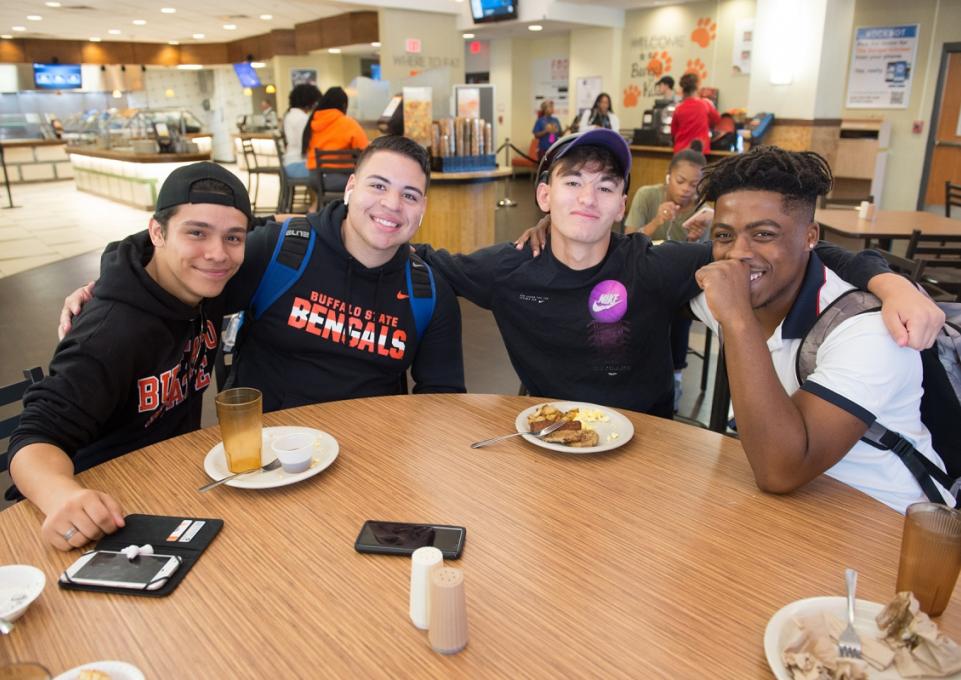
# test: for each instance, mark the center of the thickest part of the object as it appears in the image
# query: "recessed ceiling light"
(199, 36)
(52, 4)
(190, 67)
(168, 10)
(334, 50)
(94, 39)
(230, 27)
(34, 17)
(173, 42)
(468, 36)
(258, 64)
(6, 36)
(535, 27)
(266, 17)
(375, 44)
(19, 28)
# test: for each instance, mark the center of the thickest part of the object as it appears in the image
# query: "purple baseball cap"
(609, 139)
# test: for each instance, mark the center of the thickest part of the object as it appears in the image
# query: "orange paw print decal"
(631, 96)
(697, 67)
(660, 62)
(704, 32)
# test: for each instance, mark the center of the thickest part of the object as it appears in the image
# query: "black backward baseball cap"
(178, 188)
(603, 137)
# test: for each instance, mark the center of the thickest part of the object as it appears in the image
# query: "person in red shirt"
(693, 118)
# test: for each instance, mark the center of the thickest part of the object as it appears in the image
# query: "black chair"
(255, 169)
(11, 394)
(832, 202)
(338, 164)
(941, 256)
(952, 196)
(288, 201)
(912, 270)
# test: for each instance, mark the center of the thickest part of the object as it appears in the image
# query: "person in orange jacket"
(331, 130)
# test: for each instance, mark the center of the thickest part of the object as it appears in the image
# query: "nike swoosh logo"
(600, 307)
(402, 296)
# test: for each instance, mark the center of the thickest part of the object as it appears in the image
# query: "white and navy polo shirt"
(860, 369)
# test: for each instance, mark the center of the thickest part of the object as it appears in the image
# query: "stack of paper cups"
(448, 611)
(422, 562)
(866, 210)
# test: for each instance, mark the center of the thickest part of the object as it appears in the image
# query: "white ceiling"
(83, 19)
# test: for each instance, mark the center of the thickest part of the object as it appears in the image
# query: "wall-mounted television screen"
(247, 75)
(56, 76)
(493, 10)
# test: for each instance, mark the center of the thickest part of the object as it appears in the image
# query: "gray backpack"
(940, 405)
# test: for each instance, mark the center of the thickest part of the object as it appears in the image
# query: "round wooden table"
(658, 559)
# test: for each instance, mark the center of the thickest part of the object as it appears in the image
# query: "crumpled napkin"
(911, 641)
(921, 650)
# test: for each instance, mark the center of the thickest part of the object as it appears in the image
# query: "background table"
(659, 559)
(886, 225)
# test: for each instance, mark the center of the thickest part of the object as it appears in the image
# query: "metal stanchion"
(6, 181)
(506, 202)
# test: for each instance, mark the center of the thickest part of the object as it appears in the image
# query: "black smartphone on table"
(403, 538)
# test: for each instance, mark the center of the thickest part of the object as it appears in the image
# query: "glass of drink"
(240, 412)
(930, 555)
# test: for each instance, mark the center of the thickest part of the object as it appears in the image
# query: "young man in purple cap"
(133, 370)
(589, 319)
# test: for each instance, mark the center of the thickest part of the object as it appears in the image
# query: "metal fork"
(547, 430)
(849, 643)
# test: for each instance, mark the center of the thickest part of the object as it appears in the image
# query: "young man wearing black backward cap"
(133, 370)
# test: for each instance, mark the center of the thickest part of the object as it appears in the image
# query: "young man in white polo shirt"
(764, 291)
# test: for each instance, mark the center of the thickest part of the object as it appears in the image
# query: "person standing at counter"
(331, 129)
(546, 128)
(693, 118)
(270, 116)
(134, 368)
(601, 115)
(664, 90)
(665, 212)
(303, 98)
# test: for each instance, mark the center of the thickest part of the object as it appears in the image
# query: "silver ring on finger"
(69, 533)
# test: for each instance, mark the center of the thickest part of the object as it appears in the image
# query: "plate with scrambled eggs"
(588, 428)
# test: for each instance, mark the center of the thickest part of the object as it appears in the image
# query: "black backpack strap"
(919, 465)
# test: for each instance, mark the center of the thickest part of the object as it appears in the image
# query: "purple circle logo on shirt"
(608, 301)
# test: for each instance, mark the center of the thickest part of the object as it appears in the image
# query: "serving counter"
(36, 160)
(460, 209)
(125, 176)
(649, 165)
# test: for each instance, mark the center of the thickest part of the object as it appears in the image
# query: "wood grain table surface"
(660, 559)
(886, 223)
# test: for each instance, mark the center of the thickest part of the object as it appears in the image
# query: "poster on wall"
(743, 42)
(586, 91)
(468, 102)
(550, 82)
(303, 76)
(882, 66)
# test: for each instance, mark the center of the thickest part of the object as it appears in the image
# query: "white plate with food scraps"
(325, 453)
(116, 670)
(782, 631)
(613, 429)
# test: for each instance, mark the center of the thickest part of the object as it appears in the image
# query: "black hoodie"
(130, 373)
(342, 330)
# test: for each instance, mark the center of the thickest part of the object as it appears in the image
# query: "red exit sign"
(412, 46)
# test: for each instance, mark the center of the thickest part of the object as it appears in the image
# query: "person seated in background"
(133, 370)
(546, 128)
(664, 89)
(763, 292)
(347, 327)
(693, 118)
(600, 115)
(331, 129)
(303, 98)
(270, 116)
(589, 318)
(666, 212)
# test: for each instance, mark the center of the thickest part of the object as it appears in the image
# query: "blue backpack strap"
(422, 292)
(291, 255)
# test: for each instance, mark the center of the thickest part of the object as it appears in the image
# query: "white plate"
(781, 630)
(20, 584)
(616, 424)
(117, 670)
(325, 453)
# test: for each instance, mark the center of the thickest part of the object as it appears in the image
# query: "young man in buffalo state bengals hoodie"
(133, 369)
(345, 328)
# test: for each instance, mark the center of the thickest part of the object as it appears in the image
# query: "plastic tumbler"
(930, 555)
